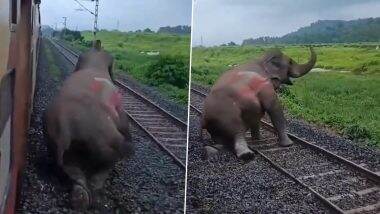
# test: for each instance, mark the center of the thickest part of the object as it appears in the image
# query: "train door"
(6, 91)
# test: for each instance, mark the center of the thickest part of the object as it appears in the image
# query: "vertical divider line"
(188, 102)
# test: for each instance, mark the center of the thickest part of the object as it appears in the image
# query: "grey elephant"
(241, 96)
(87, 126)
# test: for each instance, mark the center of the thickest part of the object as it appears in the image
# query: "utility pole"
(96, 18)
(201, 41)
(117, 25)
(64, 22)
(64, 25)
(95, 14)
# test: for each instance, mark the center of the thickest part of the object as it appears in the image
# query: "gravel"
(226, 184)
(153, 94)
(368, 157)
(147, 182)
(296, 158)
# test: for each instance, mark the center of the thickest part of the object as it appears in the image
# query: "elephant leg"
(279, 122)
(241, 148)
(80, 194)
(123, 124)
(255, 131)
(212, 151)
(97, 180)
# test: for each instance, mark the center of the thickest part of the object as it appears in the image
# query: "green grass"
(53, 69)
(209, 63)
(127, 49)
(347, 102)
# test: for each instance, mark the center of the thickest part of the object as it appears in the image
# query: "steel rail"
(176, 119)
(64, 55)
(67, 49)
(372, 175)
(144, 99)
(368, 174)
(196, 109)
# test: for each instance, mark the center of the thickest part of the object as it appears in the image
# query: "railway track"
(165, 129)
(344, 186)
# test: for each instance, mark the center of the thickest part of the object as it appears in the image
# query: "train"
(20, 32)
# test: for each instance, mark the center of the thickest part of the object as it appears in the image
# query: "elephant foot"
(241, 148)
(80, 197)
(211, 151)
(245, 155)
(99, 199)
(285, 142)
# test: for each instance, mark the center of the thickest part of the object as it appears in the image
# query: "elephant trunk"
(299, 70)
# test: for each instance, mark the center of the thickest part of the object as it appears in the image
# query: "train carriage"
(19, 43)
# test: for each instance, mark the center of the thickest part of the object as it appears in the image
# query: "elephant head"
(279, 67)
(96, 57)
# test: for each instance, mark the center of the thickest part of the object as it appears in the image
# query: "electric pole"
(64, 22)
(117, 25)
(64, 25)
(95, 14)
(96, 18)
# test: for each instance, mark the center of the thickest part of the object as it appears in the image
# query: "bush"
(169, 70)
(360, 69)
(356, 131)
(69, 35)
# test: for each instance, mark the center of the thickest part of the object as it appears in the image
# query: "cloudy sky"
(131, 14)
(222, 21)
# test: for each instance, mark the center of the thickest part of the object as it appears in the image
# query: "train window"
(32, 19)
(13, 14)
(14, 11)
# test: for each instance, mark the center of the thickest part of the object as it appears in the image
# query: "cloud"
(131, 14)
(222, 21)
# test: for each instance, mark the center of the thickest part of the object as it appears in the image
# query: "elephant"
(241, 96)
(87, 127)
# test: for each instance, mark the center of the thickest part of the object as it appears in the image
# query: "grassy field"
(53, 68)
(348, 102)
(130, 51)
(208, 63)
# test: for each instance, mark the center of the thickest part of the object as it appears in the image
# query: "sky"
(131, 14)
(220, 21)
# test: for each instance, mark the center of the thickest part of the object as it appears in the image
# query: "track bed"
(150, 181)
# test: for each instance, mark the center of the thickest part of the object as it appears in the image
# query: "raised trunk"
(299, 70)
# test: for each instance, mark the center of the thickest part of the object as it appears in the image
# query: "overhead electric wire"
(80, 4)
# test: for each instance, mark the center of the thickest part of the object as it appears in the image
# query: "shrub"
(168, 70)
(360, 69)
(355, 131)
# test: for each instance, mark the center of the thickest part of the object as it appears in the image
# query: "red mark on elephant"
(256, 83)
(251, 89)
(114, 102)
(115, 99)
(96, 86)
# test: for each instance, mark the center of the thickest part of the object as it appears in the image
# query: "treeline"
(180, 29)
(69, 35)
(328, 31)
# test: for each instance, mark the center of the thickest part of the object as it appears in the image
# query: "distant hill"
(180, 29)
(328, 31)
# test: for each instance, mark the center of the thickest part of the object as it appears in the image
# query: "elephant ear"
(275, 61)
(276, 82)
(273, 65)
